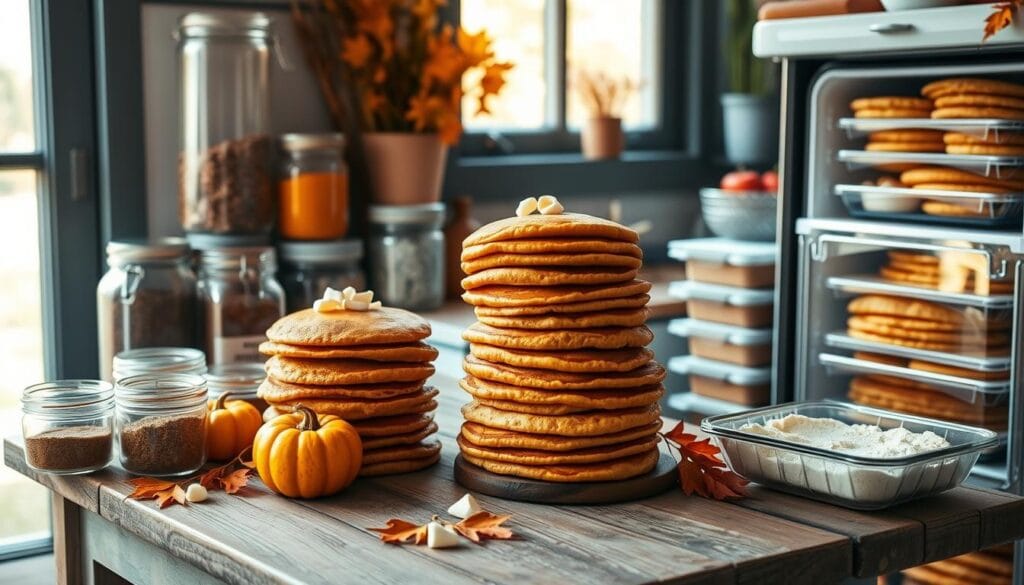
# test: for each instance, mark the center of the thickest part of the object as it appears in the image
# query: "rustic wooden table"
(262, 538)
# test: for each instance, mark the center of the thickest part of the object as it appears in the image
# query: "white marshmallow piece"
(196, 493)
(362, 297)
(526, 207)
(354, 305)
(441, 536)
(549, 205)
(327, 305)
(348, 293)
(375, 305)
(333, 295)
(465, 507)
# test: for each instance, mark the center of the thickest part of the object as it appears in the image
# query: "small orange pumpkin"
(301, 455)
(232, 426)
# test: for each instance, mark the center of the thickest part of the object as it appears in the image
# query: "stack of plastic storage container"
(730, 300)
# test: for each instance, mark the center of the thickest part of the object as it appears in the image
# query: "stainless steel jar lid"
(332, 252)
(263, 257)
(141, 250)
(296, 142)
(201, 242)
(208, 24)
(428, 214)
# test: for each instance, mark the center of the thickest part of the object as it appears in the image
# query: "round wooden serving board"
(660, 479)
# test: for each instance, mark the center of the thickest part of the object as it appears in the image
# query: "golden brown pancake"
(275, 390)
(548, 276)
(345, 372)
(494, 437)
(386, 325)
(524, 260)
(543, 296)
(565, 225)
(552, 246)
(634, 302)
(615, 318)
(581, 399)
(525, 339)
(614, 470)
(585, 360)
(411, 352)
(646, 375)
(579, 456)
(571, 425)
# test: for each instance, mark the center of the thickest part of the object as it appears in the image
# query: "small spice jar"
(239, 299)
(406, 247)
(159, 360)
(146, 299)
(161, 423)
(68, 426)
(307, 268)
(313, 190)
(241, 380)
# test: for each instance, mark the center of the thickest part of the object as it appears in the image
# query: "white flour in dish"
(860, 440)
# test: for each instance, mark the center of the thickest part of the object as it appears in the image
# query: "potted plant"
(391, 73)
(749, 108)
(601, 136)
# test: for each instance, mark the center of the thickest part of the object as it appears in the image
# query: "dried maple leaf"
(235, 480)
(147, 488)
(171, 496)
(701, 471)
(483, 526)
(1002, 16)
(211, 479)
(399, 531)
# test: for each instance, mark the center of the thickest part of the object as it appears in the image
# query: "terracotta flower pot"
(602, 138)
(405, 168)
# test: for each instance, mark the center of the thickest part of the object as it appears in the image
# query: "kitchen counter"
(260, 538)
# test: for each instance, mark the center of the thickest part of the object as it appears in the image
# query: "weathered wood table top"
(766, 538)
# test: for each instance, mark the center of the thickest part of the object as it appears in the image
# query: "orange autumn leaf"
(1002, 17)
(174, 495)
(701, 471)
(236, 480)
(484, 526)
(399, 531)
(357, 51)
(147, 488)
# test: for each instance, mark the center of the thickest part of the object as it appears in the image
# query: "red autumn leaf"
(1002, 17)
(171, 496)
(399, 531)
(483, 526)
(701, 471)
(724, 484)
(235, 480)
(147, 488)
(211, 479)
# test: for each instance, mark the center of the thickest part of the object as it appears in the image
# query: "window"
(24, 505)
(553, 44)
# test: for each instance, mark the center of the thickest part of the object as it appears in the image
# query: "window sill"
(572, 158)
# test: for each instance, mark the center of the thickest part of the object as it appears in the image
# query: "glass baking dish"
(851, 481)
(908, 204)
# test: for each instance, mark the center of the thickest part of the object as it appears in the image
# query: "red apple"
(770, 181)
(741, 181)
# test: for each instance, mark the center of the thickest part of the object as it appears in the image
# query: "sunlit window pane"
(16, 116)
(23, 503)
(616, 39)
(517, 27)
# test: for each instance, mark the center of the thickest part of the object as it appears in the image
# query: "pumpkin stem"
(219, 405)
(310, 422)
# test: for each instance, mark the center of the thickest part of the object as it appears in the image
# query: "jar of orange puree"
(314, 187)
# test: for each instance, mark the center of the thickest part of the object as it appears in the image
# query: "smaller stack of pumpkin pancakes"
(563, 386)
(367, 367)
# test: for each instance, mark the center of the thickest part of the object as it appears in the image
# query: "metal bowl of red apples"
(743, 206)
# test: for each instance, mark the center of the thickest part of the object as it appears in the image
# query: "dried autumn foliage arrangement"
(406, 71)
(1004, 14)
(701, 471)
(604, 96)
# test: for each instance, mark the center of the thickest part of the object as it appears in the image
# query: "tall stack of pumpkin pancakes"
(368, 367)
(563, 386)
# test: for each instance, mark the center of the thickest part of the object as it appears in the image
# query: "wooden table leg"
(67, 540)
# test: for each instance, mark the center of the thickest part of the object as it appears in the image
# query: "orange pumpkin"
(232, 426)
(301, 455)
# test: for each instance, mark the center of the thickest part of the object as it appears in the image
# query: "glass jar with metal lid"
(225, 174)
(161, 423)
(307, 268)
(406, 247)
(241, 380)
(313, 190)
(68, 426)
(159, 360)
(239, 298)
(146, 299)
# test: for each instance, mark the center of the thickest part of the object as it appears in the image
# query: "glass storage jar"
(68, 426)
(313, 190)
(159, 360)
(161, 423)
(146, 299)
(307, 268)
(239, 300)
(225, 174)
(406, 247)
(241, 380)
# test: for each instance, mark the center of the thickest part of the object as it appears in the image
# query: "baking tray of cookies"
(983, 128)
(932, 205)
(870, 283)
(967, 390)
(1000, 167)
(973, 361)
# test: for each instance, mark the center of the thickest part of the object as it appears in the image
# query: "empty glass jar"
(241, 380)
(159, 360)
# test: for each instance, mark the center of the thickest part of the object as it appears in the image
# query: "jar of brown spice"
(146, 299)
(68, 426)
(161, 423)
